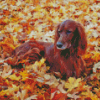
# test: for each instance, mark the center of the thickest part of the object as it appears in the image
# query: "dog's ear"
(82, 44)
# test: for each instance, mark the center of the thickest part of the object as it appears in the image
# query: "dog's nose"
(59, 44)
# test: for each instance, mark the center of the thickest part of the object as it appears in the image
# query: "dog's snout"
(59, 44)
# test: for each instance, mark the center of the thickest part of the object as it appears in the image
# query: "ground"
(22, 20)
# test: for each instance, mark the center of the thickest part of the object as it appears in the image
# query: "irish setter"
(64, 55)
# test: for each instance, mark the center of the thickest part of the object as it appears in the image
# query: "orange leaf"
(59, 96)
(41, 97)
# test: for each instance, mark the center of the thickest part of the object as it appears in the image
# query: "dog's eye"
(68, 31)
(59, 31)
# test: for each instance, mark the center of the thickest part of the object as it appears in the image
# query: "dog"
(65, 54)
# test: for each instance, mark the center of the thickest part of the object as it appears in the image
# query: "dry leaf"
(72, 83)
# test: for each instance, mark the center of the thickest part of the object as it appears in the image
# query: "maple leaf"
(15, 19)
(72, 83)
(89, 94)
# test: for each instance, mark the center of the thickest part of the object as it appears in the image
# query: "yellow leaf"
(12, 89)
(18, 3)
(42, 61)
(49, 18)
(5, 20)
(94, 20)
(14, 77)
(21, 14)
(7, 45)
(24, 75)
(56, 20)
(39, 63)
(94, 98)
(37, 8)
(39, 29)
(15, 39)
(3, 92)
(72, 83)
(95, 14)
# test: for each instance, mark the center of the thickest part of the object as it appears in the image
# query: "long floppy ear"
(82, 39)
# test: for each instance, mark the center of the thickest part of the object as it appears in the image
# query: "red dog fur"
(65, 54)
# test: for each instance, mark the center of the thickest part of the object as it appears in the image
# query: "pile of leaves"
(22, 20)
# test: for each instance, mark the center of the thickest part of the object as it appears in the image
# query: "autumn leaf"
(14, 77)
(24, 20)
(72, 83)
(24, 75)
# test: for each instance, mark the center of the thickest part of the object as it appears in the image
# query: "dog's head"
(70, 34)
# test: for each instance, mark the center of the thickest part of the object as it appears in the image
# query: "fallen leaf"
(72, 83)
